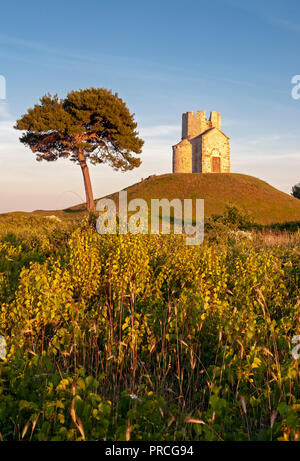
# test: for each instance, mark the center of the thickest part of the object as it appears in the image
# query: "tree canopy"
(296, 190)
(92, 124)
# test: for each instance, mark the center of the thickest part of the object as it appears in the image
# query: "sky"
(163, 58)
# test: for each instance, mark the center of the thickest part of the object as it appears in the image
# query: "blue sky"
(163, 58)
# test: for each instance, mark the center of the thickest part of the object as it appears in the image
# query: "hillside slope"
(266, 204)
(263, 202)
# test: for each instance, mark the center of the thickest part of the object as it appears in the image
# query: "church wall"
(197, 154)
(182, 157)
(218, 142)
(194, 153)
(215, 119)
(194, 124)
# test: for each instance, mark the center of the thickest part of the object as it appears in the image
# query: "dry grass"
(283, 238)
(263, 202)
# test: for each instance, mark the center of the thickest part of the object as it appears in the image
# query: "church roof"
(210, 129)
(183, 141)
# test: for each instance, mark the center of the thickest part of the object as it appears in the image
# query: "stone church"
(204, 148)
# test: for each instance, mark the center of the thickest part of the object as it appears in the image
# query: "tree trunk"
(90, 204)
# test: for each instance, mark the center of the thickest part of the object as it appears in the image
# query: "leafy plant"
(129, 337)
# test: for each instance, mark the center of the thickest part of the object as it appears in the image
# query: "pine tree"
(296, 190)
(92, 124)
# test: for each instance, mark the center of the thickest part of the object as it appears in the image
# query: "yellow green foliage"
(137, 337)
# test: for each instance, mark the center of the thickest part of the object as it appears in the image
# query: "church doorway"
(216, 165)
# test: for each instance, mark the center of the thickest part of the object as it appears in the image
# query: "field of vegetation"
(144, 338)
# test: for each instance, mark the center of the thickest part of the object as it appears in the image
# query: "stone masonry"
(204, 148)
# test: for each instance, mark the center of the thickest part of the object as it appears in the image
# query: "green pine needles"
(92, 124)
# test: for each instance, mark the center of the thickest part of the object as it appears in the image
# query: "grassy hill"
(263, 202)
(266, 204)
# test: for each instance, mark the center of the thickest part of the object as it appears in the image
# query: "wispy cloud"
(146, 69)
(5, 114)
(265, 11)
(263, 140)
(40, 47)
(286, 24)
(159, 130)
(258, 157)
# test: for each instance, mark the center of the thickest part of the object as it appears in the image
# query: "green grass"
(263, 202)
